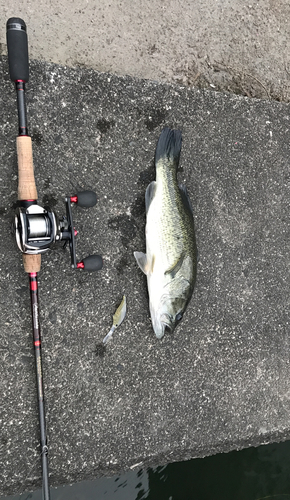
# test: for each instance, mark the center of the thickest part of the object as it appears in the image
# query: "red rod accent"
(74, 199)
(33, 285)
(37, 343)
(80, 265)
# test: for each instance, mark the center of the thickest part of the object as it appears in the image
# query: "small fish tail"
(169, 146)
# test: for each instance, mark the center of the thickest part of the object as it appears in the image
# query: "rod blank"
(40, 394)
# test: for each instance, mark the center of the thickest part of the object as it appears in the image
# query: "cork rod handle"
(26, 181)
(27, 191)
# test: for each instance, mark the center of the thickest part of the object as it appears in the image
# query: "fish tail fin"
(169, 146)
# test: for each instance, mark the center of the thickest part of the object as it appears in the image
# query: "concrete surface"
(221, 382)
(230, 45)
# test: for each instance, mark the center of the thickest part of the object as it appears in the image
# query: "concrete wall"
(241, 47)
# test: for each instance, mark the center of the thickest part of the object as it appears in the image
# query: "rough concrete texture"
(221, 382)
(241, 47)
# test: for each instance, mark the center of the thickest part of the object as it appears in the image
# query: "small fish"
(117, 319)
(171, 255)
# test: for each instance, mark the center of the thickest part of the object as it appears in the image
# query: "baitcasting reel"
(36, 228)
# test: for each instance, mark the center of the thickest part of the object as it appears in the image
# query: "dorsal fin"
(185, 197)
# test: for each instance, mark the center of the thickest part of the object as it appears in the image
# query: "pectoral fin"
(145, 265)
(172, 271)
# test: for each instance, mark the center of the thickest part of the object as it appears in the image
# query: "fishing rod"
(36, 228)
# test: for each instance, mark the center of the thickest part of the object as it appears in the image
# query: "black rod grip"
(17, 49)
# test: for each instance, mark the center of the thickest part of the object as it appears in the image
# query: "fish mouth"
(167, 328)
(163, 325)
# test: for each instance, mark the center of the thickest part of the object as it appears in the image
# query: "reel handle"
(91, 263)
(85, 199)
(17, 49)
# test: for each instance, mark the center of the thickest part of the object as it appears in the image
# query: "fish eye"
(178, 316)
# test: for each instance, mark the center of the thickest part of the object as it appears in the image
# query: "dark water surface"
(251, 474)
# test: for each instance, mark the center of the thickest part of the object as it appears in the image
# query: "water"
(253, 474)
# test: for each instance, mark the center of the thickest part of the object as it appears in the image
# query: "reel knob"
(91, 263)
(85, 199)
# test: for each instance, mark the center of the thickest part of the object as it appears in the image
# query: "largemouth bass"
(171, 256)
